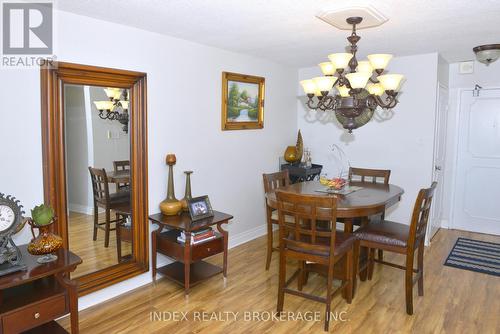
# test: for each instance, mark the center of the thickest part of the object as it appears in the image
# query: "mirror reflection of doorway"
(98, 175)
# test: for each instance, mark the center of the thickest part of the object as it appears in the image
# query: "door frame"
(456, 135)
(438, 127)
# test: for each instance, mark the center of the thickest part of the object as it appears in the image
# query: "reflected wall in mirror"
(98, 175)
(94, 140)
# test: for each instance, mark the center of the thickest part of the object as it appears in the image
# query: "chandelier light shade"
(357, 88)
(327, 68)
(364, 66)
(390, 81)
(340, 60)
(116, 108)
(379, 61)
(324, 84)
(487, 54)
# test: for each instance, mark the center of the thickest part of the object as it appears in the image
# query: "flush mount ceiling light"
(359, 90)
(487, 54)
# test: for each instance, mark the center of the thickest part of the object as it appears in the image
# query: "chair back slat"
(121, 165)
(369, 175)
(307, 230)
(276, 180)
(100, 185)
(420, 216)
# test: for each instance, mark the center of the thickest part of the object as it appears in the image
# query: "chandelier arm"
(310, 105)
(101, 114)
(392, 101)
(329, 103)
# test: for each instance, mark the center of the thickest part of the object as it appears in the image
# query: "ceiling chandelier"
(356, 93)
(116, 108)
(487, 54)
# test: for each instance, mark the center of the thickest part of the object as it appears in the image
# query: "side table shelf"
(189, 267)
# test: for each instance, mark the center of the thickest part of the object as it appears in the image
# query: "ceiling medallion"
(353, 95)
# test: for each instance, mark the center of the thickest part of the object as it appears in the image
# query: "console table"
(30, 300)
(299, 173)
(189, 267)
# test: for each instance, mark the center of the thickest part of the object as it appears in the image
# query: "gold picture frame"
(242, 101)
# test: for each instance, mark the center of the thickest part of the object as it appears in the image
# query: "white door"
(477, 188)
(439, 158)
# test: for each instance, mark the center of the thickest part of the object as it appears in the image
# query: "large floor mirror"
(95, 171)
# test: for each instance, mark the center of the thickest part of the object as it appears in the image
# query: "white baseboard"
(87, 210)
(445, 224)
(247, 236)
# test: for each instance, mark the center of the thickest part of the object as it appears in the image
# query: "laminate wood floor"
(455, 301)
(93, 253)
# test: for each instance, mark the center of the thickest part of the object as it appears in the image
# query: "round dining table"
(365, 199)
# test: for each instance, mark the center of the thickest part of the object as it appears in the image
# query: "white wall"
(403, 143)
(77, 157)
(184, 101)
(484, 76)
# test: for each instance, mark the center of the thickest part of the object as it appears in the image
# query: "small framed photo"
(242, 101)
(200, 208)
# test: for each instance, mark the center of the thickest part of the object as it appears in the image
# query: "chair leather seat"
(120, 197)
(343, 242)
(384, 232)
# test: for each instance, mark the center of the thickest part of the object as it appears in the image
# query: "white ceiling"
(288, 32)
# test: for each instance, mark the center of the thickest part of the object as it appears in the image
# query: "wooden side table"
(30, 300)
(189, 267)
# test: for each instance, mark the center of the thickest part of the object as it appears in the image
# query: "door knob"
(437, 167)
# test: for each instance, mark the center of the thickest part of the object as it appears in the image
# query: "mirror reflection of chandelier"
(358, 92)
(116, 108)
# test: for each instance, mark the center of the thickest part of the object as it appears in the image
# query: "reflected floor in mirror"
(93, 253)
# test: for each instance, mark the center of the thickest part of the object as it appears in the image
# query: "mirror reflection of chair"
(123, 229)
(103, 199)
(120, 166)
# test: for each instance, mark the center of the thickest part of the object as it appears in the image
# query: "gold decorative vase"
(45, 243)
(170, 206)
(291, 154)
(187, 193)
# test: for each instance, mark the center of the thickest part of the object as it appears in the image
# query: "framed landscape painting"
(242, 101)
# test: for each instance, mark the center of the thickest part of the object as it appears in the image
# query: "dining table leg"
(363, 253)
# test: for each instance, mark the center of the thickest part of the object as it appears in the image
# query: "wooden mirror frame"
(53, 77)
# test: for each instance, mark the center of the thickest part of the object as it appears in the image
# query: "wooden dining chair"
(402, 239)
(103, 199)
(123, 229)
(272, 182)
(301, 238)
(121, 165)
(369, 175)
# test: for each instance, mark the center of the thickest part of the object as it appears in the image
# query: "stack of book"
(198, 236)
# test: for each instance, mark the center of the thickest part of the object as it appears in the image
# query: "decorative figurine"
(170, 206)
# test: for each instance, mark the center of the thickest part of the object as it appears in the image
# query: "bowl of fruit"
(337, 183)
